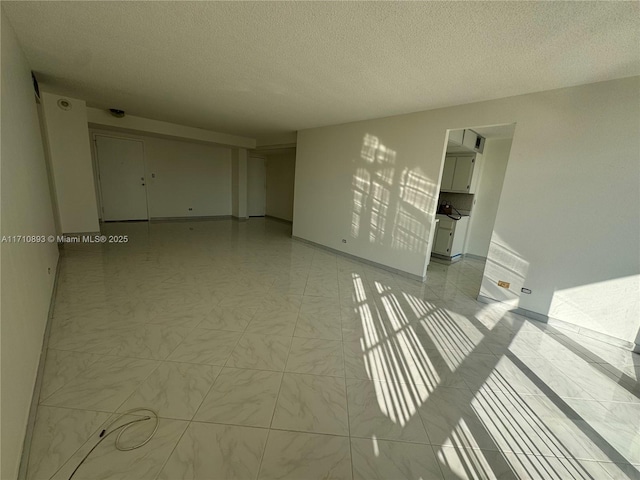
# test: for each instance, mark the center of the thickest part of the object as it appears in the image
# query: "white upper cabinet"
(447, 173)
(462, 174)
(473, 141)
(459, 174)
(455, 137)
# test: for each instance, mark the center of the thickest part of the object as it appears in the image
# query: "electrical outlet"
(190, 209)
(526, 290)
(503, 284)
(344, 240)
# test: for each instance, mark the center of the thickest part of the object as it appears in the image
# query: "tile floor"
(268, 358)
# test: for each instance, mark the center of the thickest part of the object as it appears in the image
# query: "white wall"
(70, 156)
(187, 174)
(239, 183)
(26, 284)
(372, 183)
(256, 186)
(280, 184)
(555, 231)
(47, 157)
(487, 196)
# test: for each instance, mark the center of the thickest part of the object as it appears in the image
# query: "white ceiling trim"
(98, 116)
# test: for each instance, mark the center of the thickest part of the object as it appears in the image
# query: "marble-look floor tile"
(296, 456)
(594, 440)
(514, 427)
(241, 296)
(544, 377)
(319, 318)
(61, 367)
(622, 412)
(104, 385)
(228, 318)
(312, 403)
(460, 463)
(185, 320)
(174, 390)
(99, 339)
(600, 385)
(394, 361)
(316, 356)
(241, 397)
(291, 286)
(543, 468)
(281, 303)
(623, 438)
(274, 322)
(57, 434)
(108, 463)
(475, 464)
(449, 420)
(318, 326)
(628, 378)
(618, 471)
(382, 459)
(322, 287)
(149, 341)
(385, 410)
(261, 352)
(171, 301)
(216, 452)
(202, 345)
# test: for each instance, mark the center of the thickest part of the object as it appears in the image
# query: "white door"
(256, 187)
(122, 178)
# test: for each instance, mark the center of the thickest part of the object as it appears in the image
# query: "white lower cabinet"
(450, 236)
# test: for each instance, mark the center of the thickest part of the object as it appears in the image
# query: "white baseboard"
(556, 322)
(37, 388)
(363, 260)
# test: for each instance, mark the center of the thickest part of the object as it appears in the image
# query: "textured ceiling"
(265, 67)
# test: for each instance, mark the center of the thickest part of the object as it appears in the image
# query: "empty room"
(320, 240)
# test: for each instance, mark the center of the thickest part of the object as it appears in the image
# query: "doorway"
(473, 172)
(256, 187)
(121, 175)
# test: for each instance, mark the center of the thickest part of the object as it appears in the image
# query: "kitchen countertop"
(442, 215)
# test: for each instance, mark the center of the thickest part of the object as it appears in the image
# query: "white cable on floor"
(123, 428)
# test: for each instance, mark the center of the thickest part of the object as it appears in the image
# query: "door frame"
(95, 136)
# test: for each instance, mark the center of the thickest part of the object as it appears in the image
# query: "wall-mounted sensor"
(64, 104)
(117, 113)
